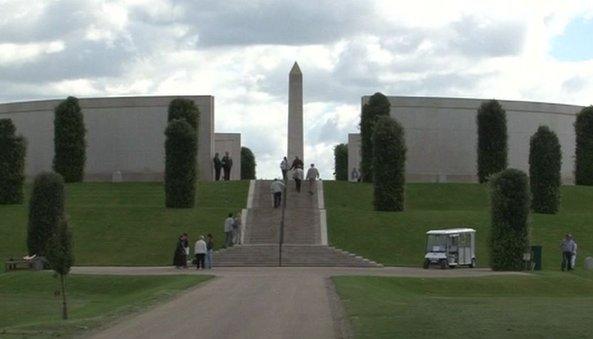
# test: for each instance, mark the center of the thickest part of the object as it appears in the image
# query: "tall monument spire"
(295, 113)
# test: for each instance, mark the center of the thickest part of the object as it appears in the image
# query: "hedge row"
(12, 163)
(247, 164)
(69, 141)
(389, 161)
(377, 106)
(341, 162)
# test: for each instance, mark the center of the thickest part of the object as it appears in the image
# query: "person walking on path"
(312, 176)
(217, 167)
(179, 258)
(209, 250)
(277, 187)
(185, 249)
(200, 250)
(227, 164)
(284, 168)
(297, 163)
(237, 228)
(568, 248)
(297, 175)
(573, 261)
(228, 231)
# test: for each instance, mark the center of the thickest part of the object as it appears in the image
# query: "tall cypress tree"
(584, 147)
(492, 139)
(247, 164)
(341, 162)
(12, 163)
(389, 163)
(184, 109)
(509, 237)
(46, 209)
(545, 161)
(180, 164)
(378, 105)
(69, 140)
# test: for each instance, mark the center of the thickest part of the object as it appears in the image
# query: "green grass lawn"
(30, 308)
(398, 238)
(545, 305)
(127, 223)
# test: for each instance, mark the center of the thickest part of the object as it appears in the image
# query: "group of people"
(232, 230)
(277, 186)
(569, 252)
(203, 249)
(225, 164)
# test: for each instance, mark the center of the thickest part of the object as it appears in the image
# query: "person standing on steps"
(228, 231)
(284, 168)
(568, 249)
(227, 164)
(312, 176)
(277, 187)
(297, 163)
(200, 250)
(237, 228)
(297, 175)
(217, 167)
(209, 250)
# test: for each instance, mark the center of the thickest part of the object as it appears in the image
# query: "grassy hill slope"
(399, 238)
(127, 223)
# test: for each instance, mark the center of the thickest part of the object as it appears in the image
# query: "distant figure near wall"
(217, 166)
(227, 164)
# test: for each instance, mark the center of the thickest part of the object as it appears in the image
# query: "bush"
(341, 162)
(584, 147)
(247, 164)
(545, 160)
(46, 209)
(389, 162)
(180, 165)
(184, 109)
(492, 139)
(69, 141)
(12, 164)
(509, 238)
(377, 106)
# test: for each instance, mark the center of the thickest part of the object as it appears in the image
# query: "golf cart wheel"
(426, 264)
(473, 264)
(444, 264)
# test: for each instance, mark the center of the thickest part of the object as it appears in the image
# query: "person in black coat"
(227, 163)
(179, 257)
(217, 166)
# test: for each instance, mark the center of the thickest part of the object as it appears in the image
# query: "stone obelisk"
(295, 113)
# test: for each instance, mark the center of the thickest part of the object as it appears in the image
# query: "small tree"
(61, 258)
(389, 162)
(184, 109)
(545, 160)
(377, 106)
(12, 164)
(69, 141)
(509, 237)
(46, 208)
(247, 164)
(180, 165)
(341, 162)
(492, 139)
(584, 147)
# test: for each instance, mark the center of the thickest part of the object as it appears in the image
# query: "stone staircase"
(304, 240)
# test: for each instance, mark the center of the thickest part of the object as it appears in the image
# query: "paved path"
(252, 302)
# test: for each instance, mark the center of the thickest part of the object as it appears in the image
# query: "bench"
(15, 264)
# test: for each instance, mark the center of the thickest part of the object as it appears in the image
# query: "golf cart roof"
(452, 231)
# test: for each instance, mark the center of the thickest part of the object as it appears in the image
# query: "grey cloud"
(486, 39)
(574, 84)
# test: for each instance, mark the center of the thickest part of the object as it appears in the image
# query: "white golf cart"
(450, 248)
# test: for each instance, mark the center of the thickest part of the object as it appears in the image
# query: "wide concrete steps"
(293, 255)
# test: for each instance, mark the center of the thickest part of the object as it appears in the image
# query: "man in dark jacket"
(227, 163)
(297, 163)
(217, 166)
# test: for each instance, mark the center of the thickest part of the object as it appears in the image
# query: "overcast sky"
(241, 52)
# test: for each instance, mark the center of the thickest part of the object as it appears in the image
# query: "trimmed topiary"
(583, 169)
(69, 141)
(12, 164)
(545, 160)
(184, 109)
(377, 106)
(492, 139)
(341, 162)
(389, 162)
(180, 165)
(247, 164)
(61, 258)
(46, 209)
(509, 238)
